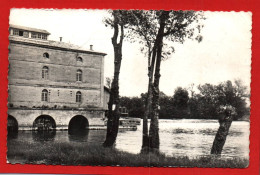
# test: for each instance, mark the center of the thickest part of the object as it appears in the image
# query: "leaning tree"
(232, 104)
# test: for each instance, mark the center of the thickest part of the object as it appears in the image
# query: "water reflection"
(12, 135)
(43, 135)
(78, 135)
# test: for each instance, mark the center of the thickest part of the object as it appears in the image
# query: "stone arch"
(44, 123)
(12, 124)
(78, 124)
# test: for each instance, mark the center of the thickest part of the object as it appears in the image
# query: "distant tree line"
(190, 104)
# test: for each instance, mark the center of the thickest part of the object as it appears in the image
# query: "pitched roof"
(52, 44)
(29, 29)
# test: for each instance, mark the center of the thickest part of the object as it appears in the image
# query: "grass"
(95, 155)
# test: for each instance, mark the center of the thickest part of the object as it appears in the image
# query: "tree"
(240, 96)
(144, 27)
(231, 99)
(208, 100)
(212, 96)
(166, 107)
(118, 23)
(180, 102)
(226, 117)
(151, 27)
(134, 105)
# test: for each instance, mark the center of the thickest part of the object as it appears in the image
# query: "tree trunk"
(147, 113)
(154, 140)
(148, 107)
(222, 133)
(114, 115)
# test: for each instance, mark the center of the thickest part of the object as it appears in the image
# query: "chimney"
(60, 39)
(91, 47)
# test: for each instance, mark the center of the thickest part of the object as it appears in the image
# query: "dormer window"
(18, 32)
(79, 59)
(34, 35)
(28, 32)
(39, 36)
(44, 36)
(15, 32)
(45, 55)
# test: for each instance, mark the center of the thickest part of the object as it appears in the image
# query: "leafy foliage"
(180, 25)
(205, 104)
(180, 101)
(134, 105)
(211, 97)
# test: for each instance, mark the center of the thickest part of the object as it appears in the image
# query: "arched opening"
(12, 127)
(44, 123)
(78, 125)
(46, 55)
(45, 72)
(79, 59)
(44, 95)
(78, 97)
(12, 124)
(79, 75)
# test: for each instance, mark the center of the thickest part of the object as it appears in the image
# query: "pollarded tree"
(152, 27)
(232, 104)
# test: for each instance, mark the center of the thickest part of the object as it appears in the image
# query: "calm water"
(177, 138)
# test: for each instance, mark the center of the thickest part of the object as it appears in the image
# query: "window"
(20, 33)
(79, 59)
(34, 35)
(44, 95)
(45, 72)
(39, 36)
(46, 55)
(15, 32)
(44, 36)
(78, 97)
(79, 75)
(26, 34)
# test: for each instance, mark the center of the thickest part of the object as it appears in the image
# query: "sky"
(224, 53)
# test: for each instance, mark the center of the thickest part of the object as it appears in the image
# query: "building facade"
(51, 83)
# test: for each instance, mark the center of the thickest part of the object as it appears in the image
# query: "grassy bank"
(77, 154)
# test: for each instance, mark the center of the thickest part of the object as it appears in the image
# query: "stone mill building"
(53, 84)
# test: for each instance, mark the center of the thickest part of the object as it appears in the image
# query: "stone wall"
(26, 82)
(106, 98)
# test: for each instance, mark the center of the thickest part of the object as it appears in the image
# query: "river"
(186, 137)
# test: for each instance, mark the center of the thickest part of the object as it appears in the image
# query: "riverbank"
(76, 154)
